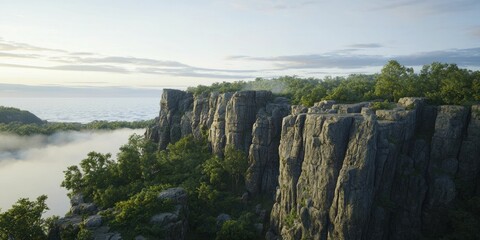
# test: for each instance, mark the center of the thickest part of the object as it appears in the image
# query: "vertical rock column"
(262, 174)
(173, 105)
(240, 116)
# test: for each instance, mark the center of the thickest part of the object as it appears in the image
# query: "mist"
(33, 165)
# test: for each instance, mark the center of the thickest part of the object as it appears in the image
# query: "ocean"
(33, 165)
(85, 110)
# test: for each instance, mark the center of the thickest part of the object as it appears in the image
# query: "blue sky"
(155, 44)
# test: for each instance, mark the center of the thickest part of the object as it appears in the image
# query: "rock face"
(247, 120)
(361, 174)
(338, 171)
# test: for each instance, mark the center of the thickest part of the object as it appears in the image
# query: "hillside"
(11, 115)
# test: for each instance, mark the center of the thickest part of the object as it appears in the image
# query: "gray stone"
(92, 222)
(175, 195)
(222, 218)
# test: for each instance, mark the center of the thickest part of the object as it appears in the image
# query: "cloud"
(270, 5)
(18, 55)
(13, 46)
(90, 68)
(92, 62)
(427, 6)
(338, 59)
(366, 45)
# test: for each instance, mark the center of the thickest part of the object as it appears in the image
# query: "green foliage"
(105, 181)
(354, 88)
(290, 218)
(47, 128)
(15, 115)
(241, 229)
(382, 105)
(235, 164)
(181, 163)
(222, 87)
(234, 230)
(393, 81)
(24, 220)
(440, 83)
(131, 217)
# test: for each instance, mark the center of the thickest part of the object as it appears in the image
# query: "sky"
(149, 44)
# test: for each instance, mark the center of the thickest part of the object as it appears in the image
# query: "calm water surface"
(87, 109)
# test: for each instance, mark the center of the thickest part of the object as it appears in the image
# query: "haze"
(32, 166)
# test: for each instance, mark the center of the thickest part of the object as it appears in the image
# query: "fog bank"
(32, 166)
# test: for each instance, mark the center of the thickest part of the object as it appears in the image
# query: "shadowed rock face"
(364, 175)
(343, 171)
(248, 120)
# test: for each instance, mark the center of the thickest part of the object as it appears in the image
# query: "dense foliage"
(24, 220)
(440, 83)
(10, 115)
(130, 185)
(48, 128)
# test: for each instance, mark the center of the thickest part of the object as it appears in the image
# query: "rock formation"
(364, 175)
(338, 171)
(248, 120)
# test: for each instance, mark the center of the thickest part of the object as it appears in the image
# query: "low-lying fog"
(34, 165)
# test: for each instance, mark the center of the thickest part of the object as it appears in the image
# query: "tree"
(235, 164)
(24, 220)
(393, 81)
(355, 88)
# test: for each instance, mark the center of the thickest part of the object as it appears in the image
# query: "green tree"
(355, 88)
(24, 220)
(393, 80)
(236, 164)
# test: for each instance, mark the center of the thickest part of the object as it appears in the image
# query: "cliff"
(340, 171)
(352, 173)
(248, 120)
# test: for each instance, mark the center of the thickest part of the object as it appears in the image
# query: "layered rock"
(343, 171)
(262, 174)
(247, 120)
(361, 174)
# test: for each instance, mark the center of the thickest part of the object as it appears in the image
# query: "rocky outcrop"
(173, 225)
(173, 105)
(360, 174)
(247, 120)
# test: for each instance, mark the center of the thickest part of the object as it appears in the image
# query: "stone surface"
(338, 171)
(92, 222)
(373, 175)
(174, 224)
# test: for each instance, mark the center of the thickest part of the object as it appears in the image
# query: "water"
(87, 109)
(33, 165)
